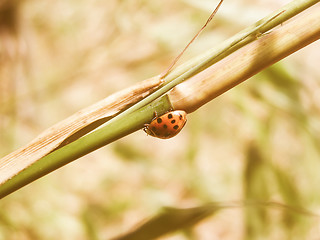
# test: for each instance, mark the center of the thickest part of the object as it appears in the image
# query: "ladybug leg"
(145, 128)
(155, 115)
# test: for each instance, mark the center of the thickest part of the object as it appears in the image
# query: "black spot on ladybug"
(159, 120)
(170, 116)
(165, 126)
(180, 116)
(173, 121)
(175, 127)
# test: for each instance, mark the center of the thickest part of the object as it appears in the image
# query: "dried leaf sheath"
(247, 61)
(74, 127)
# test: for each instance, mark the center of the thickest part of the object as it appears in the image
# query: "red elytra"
(167, 125)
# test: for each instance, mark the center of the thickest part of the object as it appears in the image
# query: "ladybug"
(167, 125)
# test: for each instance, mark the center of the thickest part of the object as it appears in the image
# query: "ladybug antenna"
(168, 70)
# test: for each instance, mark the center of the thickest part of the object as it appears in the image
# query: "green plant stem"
(240, 39)
(84, 145)
(133, 118)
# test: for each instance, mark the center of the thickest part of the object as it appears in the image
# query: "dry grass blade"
(177, 219)
(74, 127)
(166, 72)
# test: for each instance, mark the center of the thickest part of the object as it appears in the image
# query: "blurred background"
(259, 141)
